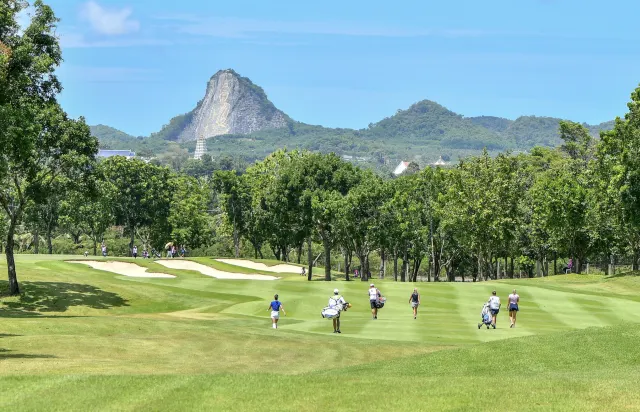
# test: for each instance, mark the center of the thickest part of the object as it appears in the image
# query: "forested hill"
(529, 131)
(422, 133)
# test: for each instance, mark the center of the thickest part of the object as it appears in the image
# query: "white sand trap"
(209, 271)
(282, 268)
(122, 268)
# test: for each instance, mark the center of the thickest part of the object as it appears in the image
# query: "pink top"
(514, 298)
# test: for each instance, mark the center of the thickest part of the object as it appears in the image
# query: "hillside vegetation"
(423, 132)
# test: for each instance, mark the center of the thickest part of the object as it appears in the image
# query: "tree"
(358, 217)
(142, 194)
(233, 200)
(89, 209)
(39, 142)
(188, 218)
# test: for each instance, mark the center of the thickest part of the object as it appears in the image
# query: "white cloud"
(109, 22)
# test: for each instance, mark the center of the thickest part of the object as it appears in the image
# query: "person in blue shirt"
(275, 307)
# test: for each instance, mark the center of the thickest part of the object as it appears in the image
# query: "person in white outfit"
(336, 302)
(494, 307)
(374, 298)
(514, 299)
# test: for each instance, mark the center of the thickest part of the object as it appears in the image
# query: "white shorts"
(275, 315)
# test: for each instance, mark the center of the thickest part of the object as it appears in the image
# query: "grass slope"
(82, 339)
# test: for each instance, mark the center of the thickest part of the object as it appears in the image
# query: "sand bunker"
(282, 268)
(122, 268)
(209, 271)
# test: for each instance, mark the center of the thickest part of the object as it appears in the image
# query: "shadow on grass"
(623, 275)
(5, 355)
(37, 298)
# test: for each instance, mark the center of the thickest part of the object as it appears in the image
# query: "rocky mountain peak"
(232, 105)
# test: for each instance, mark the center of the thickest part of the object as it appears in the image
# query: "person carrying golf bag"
(337, 303)
(375, 300)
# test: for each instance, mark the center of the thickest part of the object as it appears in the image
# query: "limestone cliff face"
(232, 105)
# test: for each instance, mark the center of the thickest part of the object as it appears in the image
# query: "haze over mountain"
(238, 119)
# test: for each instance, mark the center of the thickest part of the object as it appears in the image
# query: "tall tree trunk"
(511, 269)
(403, 274)
(634, 264)
(327, 258)
(36, 242)
(14, 289)
(310, 258)
(363, 271)
(506, 265)
(95, 247)
(347, 265)
(49, 244)
(395, 265)
(300, 252)
(382, 262)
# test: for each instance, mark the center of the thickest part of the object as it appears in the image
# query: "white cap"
(371, 285)
(335, 291)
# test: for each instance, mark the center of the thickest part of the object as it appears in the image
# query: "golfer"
(374, 298)
(514, 299)
(414, 299)
(494, 307)
(275, 307)
(336, 302)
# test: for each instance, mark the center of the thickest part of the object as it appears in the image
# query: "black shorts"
(494, 312)
(374, 304)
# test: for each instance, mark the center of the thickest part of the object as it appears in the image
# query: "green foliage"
(141, 195)
(39, 142)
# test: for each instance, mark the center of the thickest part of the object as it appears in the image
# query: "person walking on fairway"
(134, 252)
(275, 307)
(336, 302)
(374, 298)
(494, 307)
(414, 299)
(514, 299)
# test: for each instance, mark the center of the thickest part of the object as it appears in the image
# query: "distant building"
(109, 153)
(401, 168)
(439, 162)
(201, 148)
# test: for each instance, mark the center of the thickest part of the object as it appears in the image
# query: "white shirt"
(336, 301)
(373, 294)
(494, 302)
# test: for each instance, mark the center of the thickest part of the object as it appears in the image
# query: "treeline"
(580, 201)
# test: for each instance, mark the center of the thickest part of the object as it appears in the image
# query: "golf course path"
(122, 268)
(209, 271)
(282, 268)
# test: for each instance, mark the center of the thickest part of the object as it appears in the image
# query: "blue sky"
(134, 64)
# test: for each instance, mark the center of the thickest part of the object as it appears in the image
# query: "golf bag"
(155, 254)
(334, 312)
(486, 314)
(381, 301)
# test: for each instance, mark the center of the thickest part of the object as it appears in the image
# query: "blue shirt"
(275, 306)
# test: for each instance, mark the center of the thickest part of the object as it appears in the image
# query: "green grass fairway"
(80, 339)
